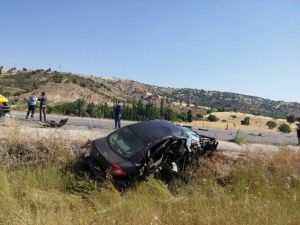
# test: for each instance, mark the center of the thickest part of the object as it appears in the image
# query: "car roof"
(153, 130)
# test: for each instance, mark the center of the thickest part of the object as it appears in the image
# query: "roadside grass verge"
(258, 188)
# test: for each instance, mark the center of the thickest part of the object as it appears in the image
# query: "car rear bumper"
(97, 172)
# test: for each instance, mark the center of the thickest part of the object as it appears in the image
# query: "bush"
(82, 84)
(284, 128)
(212, 118)
(181, 117)
(57, 78)
(246, 121)
(233, 116)
(271, 124)
(199, 116)
(290, 119)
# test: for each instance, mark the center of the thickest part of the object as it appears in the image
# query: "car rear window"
(126, 142)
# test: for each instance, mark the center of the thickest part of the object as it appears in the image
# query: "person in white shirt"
(32, 101)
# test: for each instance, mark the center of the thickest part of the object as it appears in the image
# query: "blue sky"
(250, 47)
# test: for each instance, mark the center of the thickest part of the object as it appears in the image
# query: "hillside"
(67, 87)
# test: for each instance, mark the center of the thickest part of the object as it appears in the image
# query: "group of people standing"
(43, 101)
(33, 102)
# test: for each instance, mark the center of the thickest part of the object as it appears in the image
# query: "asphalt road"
(220, 134)
(73, 121)
(248, 136)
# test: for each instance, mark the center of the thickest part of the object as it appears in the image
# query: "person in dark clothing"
(32, 101)
(118, 109)
(298, 132)
(43, 105)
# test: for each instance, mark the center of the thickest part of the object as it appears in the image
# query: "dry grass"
(257, 123)
(258, 188)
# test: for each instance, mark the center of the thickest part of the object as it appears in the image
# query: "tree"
(199, 116)
(271, 124)
(290, 119)
(162, 108)
(212, 118)
(140, 111)
(189, 116)
(1, 68)
(246, 121)
(284, 128)
(81, 105)
(181, 117)
(90, 108)
(168, 115)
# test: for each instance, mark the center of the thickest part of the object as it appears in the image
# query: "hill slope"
(66, 87)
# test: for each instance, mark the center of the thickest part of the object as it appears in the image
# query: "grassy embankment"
(257, 123)
(39, 185)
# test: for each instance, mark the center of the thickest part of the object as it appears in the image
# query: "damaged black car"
(138, 150)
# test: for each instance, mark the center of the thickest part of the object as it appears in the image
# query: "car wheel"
(122, 183)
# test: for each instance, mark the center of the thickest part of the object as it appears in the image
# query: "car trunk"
(106, 157)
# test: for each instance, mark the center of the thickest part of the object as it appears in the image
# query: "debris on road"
(54, 124)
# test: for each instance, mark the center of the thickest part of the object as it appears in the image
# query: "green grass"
(258, 189)
(49, 197)
(250, 195)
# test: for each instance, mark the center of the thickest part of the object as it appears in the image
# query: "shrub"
(57, 78)
(271, 124)
(181, 117)
(82, 84)
(212, 118)
(199, 116)
(246, 121)
(290, 119)
(233, 116)
(284, 128)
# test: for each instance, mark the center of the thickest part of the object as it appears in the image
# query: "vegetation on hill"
(17, 85)
(246, 121)
(212, 118)
(137, 112)
(271, 124)
(284, 128)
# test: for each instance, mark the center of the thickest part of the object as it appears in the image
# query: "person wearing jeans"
(31, 105)
(118, 109)
(43, 106)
